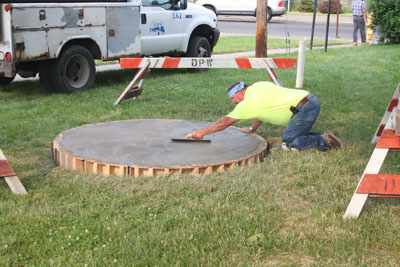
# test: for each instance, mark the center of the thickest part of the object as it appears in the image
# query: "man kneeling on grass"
(296, 110)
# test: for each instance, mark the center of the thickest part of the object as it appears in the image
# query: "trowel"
(190, 140)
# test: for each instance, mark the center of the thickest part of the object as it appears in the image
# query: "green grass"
(108, 62)
(234, 44)
(346, 13)
(286, 211)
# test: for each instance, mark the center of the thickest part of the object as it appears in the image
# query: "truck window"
(166, 4)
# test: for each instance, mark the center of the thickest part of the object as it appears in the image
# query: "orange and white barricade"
(373, 184)
(392, 104)
(10, 177)
(145, 64)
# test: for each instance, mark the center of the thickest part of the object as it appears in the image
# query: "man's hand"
(194, 135)
(247, 130)
(217, 126)
(256, 123)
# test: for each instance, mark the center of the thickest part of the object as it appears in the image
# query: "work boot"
(354, 44)
(333, 141)
(364, 43)
(288, 148)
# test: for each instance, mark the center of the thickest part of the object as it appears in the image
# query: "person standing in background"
(359, 20)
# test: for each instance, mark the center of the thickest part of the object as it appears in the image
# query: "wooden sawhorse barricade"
(10, 177)
(145, 64)
(373, 184)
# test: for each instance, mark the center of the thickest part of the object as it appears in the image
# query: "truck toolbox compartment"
(41, 18)
(60, 1)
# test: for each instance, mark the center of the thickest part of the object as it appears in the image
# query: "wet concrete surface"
(147, 143)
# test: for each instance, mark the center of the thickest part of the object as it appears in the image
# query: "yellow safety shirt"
(268, 103)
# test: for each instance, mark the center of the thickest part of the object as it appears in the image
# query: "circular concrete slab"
(144, 147)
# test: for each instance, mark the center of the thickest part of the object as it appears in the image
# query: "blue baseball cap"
(236, 88)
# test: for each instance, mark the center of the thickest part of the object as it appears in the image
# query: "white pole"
(300, 63)
(288, 8)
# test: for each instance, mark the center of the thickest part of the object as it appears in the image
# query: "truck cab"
(175, 24)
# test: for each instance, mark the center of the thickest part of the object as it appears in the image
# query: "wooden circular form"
(144, 148)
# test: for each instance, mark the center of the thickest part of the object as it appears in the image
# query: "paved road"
(279, 29)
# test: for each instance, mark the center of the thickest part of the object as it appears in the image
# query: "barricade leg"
(9, 176)
(393, 103)
(141, 74)
(358, 200)
(15, 185)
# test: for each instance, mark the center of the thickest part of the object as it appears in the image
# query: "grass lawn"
(298, 13)
(234, 44)
(285, 211)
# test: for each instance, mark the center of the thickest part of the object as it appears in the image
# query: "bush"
(306, 6)
(386, 15)
(294, 6)
(336, 7)
(345, 9)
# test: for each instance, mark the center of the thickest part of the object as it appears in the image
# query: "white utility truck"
(61, 40)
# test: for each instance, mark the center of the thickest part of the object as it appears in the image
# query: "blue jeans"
(297, 134)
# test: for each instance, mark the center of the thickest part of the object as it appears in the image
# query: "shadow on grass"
(25, 88)
(126, 75)
(29, 88)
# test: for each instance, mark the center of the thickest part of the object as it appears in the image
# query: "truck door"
(223, 5)
(243, 5)
(162, 27)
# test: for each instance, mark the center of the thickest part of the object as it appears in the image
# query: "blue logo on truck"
(177, 15)
(157, 28)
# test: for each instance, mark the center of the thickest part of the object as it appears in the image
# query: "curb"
(290, 18)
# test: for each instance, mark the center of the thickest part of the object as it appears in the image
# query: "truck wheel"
(6, 80)
(198, 47)
(74, 70)
(269, 14)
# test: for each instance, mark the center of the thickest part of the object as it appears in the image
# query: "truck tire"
(74, 70)
(198, 47)
(6, 80)
(269, 14)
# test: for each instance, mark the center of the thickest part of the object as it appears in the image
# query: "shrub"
(294, 6)
(306, 6)
(386, 15)
(336, 6)
(345, 9)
